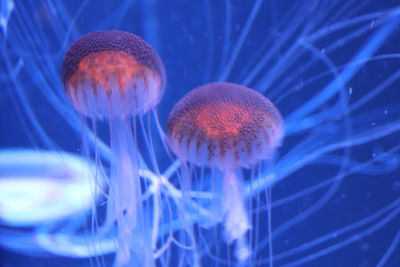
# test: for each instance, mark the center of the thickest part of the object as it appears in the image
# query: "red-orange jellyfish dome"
(224, 125)
(112, 73)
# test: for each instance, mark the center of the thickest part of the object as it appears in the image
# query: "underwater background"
(330, 67)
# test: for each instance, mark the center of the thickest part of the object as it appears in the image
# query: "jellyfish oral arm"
(125, 197)
(236, 219)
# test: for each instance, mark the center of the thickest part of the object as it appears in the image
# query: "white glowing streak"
(6, 8)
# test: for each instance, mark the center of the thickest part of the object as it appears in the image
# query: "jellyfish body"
(116, 75)
(226, 126)
(112, 74)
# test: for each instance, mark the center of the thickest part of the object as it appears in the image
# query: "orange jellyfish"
(226, 126)
(117, 76)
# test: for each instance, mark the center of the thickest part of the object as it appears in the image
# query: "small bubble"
(396, 186)
(350, 90)
(385, 112)
(365, 247)
(372, 24)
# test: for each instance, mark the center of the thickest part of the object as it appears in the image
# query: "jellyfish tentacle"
(237, 222)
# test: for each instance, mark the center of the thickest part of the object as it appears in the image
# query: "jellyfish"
(115, 75)
(330, 66)
(226, 126)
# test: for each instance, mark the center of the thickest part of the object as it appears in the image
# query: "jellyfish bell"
(226, 126)
(116, 75)
(112, 74)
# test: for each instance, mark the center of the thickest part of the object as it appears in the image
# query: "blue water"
(330, 67)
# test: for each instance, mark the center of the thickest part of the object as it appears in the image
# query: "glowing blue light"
(40, 187)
